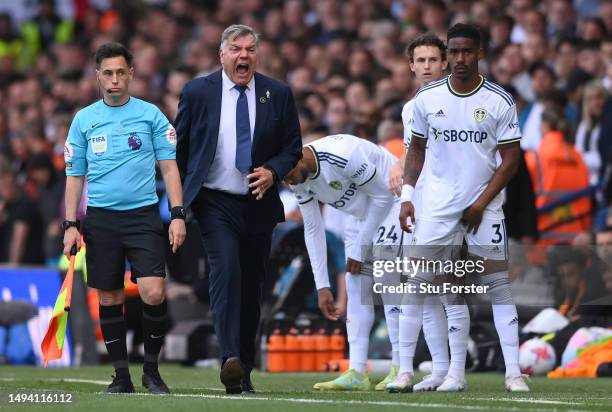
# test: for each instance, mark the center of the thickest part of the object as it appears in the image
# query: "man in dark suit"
(238, 136)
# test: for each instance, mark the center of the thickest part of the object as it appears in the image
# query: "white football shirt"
(418, 189)
(407, 121)
(463, 131)
(351, 176)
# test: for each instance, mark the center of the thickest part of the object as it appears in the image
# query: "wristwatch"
(178, 212)
(66, 224)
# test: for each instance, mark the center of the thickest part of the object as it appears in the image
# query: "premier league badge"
(134, 141)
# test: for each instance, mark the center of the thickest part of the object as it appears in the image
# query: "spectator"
(177, 78)
(587, 136)
(605, 12)
(49, 187)
(535, 48)
(589, 58)
(561, 18)
(592, 29)
(566, 60)
(501, 29)
(521, 79)
(11, 47)
(606, 55)
(574, 91)
(45, 30)
(543, 83)
(20, 224)
(337, 116)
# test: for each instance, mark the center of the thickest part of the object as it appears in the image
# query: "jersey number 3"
(497, 235)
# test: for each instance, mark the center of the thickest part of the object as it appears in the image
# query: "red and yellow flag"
(53, 342)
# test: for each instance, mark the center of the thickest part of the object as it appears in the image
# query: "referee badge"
(99, 144)
(480, 114)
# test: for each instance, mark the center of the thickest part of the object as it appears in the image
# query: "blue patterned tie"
(243, 132)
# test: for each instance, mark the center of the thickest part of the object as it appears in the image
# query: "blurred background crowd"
(346, 64)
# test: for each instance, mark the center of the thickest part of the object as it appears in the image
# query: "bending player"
(470, 120)
(427, 57)
(350, 174)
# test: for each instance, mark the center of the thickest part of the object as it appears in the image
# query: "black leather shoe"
(154, 383)
(231, 375)
(120, 385)
(247, 385)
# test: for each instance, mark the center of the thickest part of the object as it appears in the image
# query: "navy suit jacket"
(277, 141)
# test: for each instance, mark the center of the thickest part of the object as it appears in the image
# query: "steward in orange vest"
(557, 169)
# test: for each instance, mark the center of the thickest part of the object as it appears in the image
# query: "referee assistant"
(115, 142)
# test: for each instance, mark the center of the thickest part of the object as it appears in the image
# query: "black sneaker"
(154, 383)
(246, 385)
(231, 375)
(120, 385)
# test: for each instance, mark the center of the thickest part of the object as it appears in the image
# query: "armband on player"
(407, 192)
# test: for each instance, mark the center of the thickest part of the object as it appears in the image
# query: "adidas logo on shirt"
(440, 113)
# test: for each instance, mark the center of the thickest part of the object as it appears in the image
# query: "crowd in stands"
(346, 64)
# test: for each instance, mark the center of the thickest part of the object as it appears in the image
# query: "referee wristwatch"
(178, 212)
(66, 224)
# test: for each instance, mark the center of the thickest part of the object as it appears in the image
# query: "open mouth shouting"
(242, 69)
(242, 73)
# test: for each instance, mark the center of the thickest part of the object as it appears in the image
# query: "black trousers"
(238, 258)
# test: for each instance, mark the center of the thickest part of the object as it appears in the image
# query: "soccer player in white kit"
(349, 174)
(427, 57)
(465, 121)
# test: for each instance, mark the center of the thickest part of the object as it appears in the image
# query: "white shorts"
(388, 237)
(351, 233)
(435, 239)
(387, 241)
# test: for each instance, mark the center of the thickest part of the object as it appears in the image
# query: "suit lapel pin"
(262, 99)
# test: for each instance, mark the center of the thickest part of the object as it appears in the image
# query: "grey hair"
(238, 30)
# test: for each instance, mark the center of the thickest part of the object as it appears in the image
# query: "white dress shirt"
(532, 135)
(223, 174)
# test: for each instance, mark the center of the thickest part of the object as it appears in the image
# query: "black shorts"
(111, 236)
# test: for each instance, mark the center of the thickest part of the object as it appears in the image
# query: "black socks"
(113, 330)
(154, 324)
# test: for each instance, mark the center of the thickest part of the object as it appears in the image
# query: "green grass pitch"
(199, 390)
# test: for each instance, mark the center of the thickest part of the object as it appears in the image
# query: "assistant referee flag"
(53, 342)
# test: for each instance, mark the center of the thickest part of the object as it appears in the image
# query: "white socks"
(505, 318)
(436, 334)
(410, 322)
(359, 320)
(458, 333)
(392, 314)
